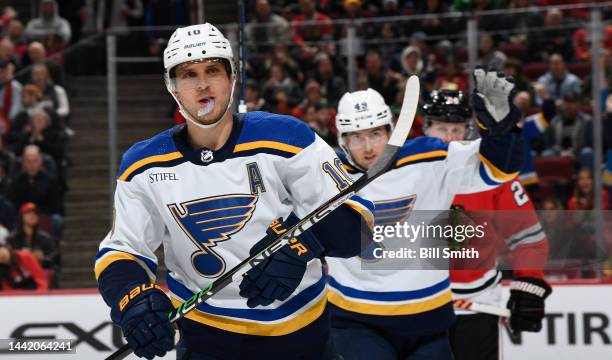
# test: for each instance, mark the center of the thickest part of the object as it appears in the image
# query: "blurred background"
(81, 80)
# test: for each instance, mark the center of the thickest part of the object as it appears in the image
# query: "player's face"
(204, 89)
(366, 146)
(447, 132)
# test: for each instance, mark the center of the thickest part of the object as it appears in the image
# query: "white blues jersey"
(426, 176)
(208, 209)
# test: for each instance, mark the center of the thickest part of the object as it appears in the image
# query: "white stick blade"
(409, 109)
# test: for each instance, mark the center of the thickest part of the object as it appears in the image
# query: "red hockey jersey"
(513, 228)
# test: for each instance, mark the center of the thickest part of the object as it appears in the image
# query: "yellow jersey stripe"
(258, 328)
(267, 144)
(607, 178)
(110, 258)
(148, 160)
(496, 173)
(336, 298)
(543, 121)
(422, 156)
(363, 211)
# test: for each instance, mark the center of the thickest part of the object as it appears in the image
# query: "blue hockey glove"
(493, 103)
(278, 276)
(526, 303)
(142, 313)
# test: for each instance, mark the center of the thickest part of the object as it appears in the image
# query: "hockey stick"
(386, 160)
(242, 108)
(502, 312)
(481, 308)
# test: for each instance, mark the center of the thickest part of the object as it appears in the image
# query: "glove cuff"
(129, 295)
(533, 286)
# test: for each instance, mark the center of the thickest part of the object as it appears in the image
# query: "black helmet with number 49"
(451, 106)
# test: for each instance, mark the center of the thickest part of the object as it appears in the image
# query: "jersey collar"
(194, 155)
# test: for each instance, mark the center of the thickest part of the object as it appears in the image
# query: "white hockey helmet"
(196, 43)
(361, 110)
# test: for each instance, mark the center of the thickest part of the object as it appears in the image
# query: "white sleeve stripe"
(527, 231)
(531, 239)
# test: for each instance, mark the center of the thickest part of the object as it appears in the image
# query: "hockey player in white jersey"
(390, 314)
(208, 191)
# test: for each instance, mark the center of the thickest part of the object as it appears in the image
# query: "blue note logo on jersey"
(392, 211)
(388, 212)
(211, 220)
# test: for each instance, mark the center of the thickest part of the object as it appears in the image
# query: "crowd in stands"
(297, 65)
(34, 113)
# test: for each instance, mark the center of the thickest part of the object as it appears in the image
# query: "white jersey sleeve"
(316, 175)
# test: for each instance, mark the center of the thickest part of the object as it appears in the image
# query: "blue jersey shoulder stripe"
(278, 134)
(421, 149)
(159, 150)
(390, 295)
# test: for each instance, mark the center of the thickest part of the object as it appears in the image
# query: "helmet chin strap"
(189, 118)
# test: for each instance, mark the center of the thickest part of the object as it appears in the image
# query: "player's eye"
(188, 74)
(357, 138)
(212, 70)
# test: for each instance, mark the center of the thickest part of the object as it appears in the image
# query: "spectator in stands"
(553, 38)
(31, 101)
(317, 116)
(379, 79)
(584, 193)
(332, 86)
(513, 67)
(280, 90)
(570, 132)
(10, 95)
(412, 62)
(17, 37)
(8, 13)
(452, 77)
(266, 27)
(19, 270)
(312, 97)
(48, 24)
(557, 227)
(55, 93)
(8, 55)
(488, 55)
(254, 101)
(29, 235)
(41, 133)
(306, 33)
(558, 80)
(38, 54)
(281, 57)
(35, 185)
